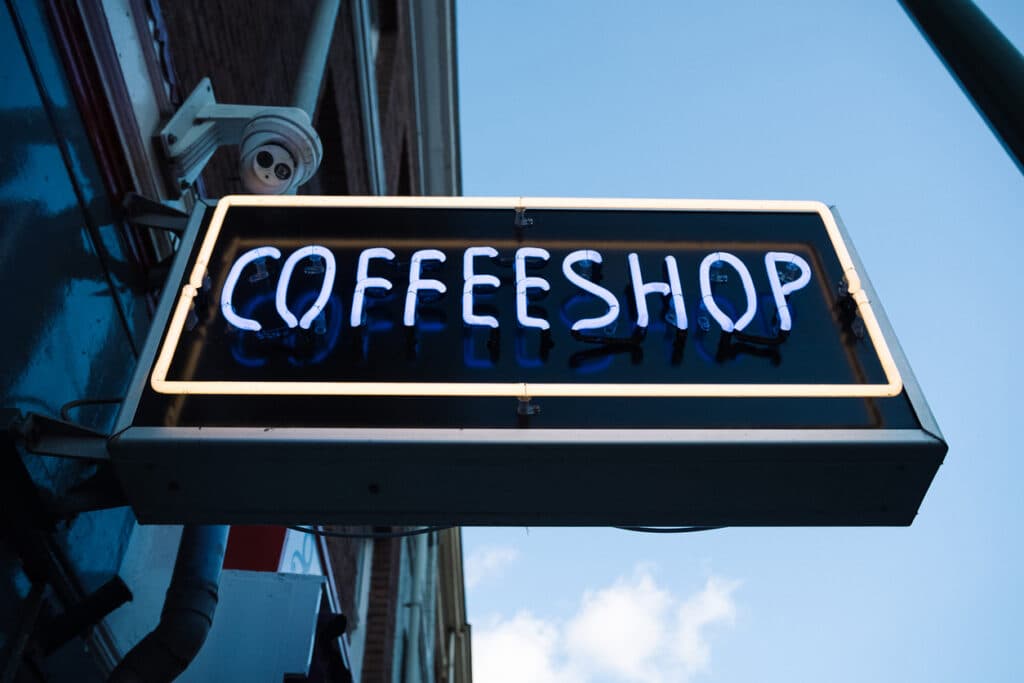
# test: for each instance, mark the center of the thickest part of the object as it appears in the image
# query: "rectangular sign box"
(534, 361)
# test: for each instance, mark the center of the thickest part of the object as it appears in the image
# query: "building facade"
(89, 208)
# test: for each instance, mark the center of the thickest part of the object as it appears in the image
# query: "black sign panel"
(451, 328)
(487, 302)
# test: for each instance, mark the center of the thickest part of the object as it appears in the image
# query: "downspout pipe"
(314, 57)
(188, 610)
(413, 665)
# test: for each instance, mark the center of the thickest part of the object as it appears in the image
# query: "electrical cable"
(67, 407)
(379, 534)
(428, 529)
(669, 530)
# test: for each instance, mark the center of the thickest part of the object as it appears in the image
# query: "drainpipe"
(188, 610)
(413, 666)
(314, 57)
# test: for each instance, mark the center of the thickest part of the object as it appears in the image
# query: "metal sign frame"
(892, 387)
(529, 476)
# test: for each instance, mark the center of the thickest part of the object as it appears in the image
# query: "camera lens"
(265, 159)
(282, 171)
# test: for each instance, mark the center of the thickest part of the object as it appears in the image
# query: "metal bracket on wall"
(45, 435)
(144, 212)
(28, 519)
(41, 435)
(201, 125)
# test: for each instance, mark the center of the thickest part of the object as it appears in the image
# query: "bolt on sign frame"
(539, 361)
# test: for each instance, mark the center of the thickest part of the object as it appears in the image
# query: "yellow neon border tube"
(160, 383)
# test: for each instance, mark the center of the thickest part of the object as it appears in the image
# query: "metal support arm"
(987, 65)
(202, 125)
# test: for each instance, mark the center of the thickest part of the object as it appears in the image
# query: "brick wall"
(383, 608)
(251, 51)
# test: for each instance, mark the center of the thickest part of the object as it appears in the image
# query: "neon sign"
(715, 299)
(586, 257)
(529, 361)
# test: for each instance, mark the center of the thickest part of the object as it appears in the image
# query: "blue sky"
(842, 102)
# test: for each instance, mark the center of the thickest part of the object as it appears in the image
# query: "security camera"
(279, 148)
(267, 169)
(277, 154)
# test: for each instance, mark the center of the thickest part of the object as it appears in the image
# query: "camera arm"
(201, 125)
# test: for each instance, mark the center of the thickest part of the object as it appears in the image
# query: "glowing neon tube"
(364, 282)
(779, 290)
(724, 321)
(642, 289)
(676, 288)
(281, 299)
(418, 284)
(474, 280)
(592, 288)
(226, 294)
(524, 283)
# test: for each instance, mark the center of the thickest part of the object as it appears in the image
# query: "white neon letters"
(780, 290)
(590, 287)
(325, 289)
(524, 283)
(717, 313)
(418, 284)
(364, 281)
(642, 289)
(676, 289)
(786, 273)
(226, 305)
(472, 280)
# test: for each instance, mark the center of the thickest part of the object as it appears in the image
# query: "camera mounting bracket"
(202, 125)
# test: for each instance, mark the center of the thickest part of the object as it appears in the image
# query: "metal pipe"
(314, 58)
(988, 67)
(451, 657)
(366, 69)
(413, 666)
(188, 610)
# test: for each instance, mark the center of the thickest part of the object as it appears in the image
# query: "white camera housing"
(278, 154)
(279, 149)
(267, 169)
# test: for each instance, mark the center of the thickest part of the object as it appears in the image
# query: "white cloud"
(619, 629)
(488, 561)
(518, 650)
(711, 605)
(631, 630)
